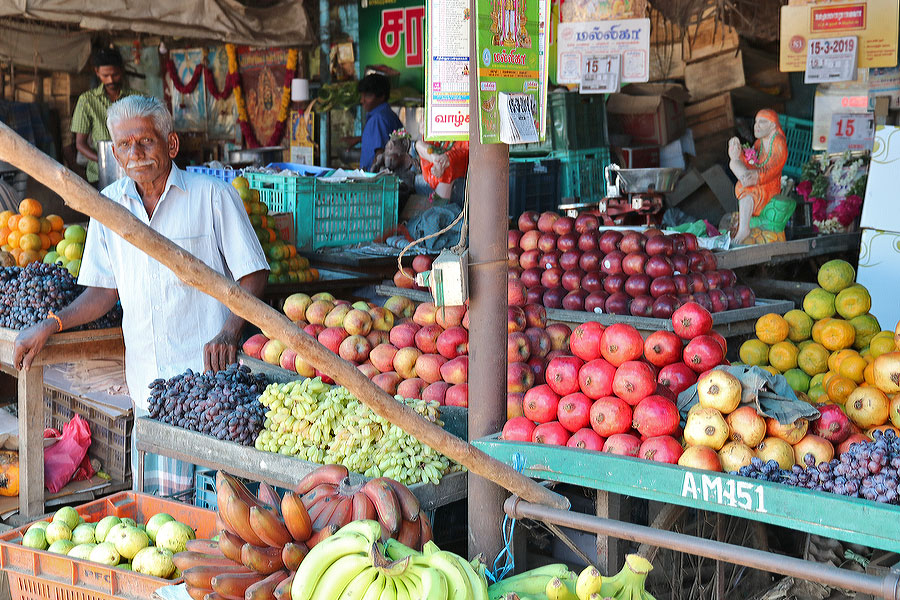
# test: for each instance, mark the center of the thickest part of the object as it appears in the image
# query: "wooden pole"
(79, 195)
(488, 181)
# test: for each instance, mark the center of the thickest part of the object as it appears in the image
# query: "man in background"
(89, 118)
(374, 90)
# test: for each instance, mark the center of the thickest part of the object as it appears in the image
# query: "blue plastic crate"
(799, 134)
(205, 489)
(329, 213)
(581, 177)
(227, 175)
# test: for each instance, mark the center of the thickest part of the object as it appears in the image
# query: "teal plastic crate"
(226, 175)
(581, 176)
(329, 213)
(799, 134)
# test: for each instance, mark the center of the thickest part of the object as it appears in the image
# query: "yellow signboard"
(874, 22)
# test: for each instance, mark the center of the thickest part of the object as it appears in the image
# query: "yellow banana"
(370, 530)
(589, 581)
(532, 582)
(339, 575)
(557, 590)
(402, 589)
(458, 584)
(321, 557)
(476, 582)
(373, 592)
(434, 585)
(356, 589)
(390, 590)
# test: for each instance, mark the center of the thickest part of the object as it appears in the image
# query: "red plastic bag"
(65, 457)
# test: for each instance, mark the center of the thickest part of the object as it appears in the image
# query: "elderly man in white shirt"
(168, 326)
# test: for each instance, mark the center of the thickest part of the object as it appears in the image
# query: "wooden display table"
(783, 252)
(64, 347)
(246, 461)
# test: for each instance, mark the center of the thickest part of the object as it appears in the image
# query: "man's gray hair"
(131, 107)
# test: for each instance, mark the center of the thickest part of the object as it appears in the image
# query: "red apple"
(659, 245)
(634, 263)
(515, 319)
(546, 221)
(530, 259)
(377, 337)
(564, 225)
(552, 278)
(512, 257)
(453, 342)
(428, 367)
(426, 338)
(254, 345)
(590, 261)
(457, 395)
(529, 241)
(571, 280)
(698, 282)
(659, 266)
(574, 300)
(382, 356)
(748, 298)
(405, 361)
(680, 263)
(596, 302)
(588, 241)
(535, 315)
(411, 388)
(609, 241)
(538, 366)
(404, 335)
(632, 241)
(422, 263)
(388, 382)
(538, 341)
(425, 314)
(331, 338)
(612, 262)
(615, 283)
(314, 329)
(586, 222)
(547, 242)
(368, 369)
(641, 306)
(515, 293)
(682, 284)
(637, 285)
(569, 260)
(451, 316)
(662, 286)
(549, 260)
(553, 297)
(355, 348)
(518, 347)
(566, 242)
(513, 237)
(664, 306)
(514, 407)
(592, 282)
(535, 295)
(532, 277)
(559, 336)
(696, 262)
(456, 370)
(435, 392)
(519, 378)
(719, 300)
(288, 360)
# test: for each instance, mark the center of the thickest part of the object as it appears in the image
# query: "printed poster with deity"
(508, 59)
(263, 76)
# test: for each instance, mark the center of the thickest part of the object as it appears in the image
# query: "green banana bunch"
(628, 584)
(589, 582)
(531, 583)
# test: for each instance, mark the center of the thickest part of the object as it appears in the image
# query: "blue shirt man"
(374, 91)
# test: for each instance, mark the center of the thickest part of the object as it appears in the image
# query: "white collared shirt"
(166, 322)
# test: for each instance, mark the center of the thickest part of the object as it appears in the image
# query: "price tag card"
(517, 124)
(851, 131)
(629, 39)
(600, 74)
(831, 59)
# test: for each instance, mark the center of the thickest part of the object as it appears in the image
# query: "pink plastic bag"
(65, 457)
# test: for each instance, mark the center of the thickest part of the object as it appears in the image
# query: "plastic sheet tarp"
(283, 24)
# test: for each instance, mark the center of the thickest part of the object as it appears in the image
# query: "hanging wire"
(507, 528)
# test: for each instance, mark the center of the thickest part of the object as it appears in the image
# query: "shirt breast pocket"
(199, 246)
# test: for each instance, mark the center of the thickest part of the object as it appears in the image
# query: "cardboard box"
(638, 157)
(651, 113)
(284, 225)
(710, 116)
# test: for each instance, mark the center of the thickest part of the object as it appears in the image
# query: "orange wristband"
(50, 315)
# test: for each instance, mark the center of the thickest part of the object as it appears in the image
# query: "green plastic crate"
(799, 134)
(328, 213)
(576, 121)
(581, 176)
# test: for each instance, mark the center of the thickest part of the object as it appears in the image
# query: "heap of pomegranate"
(567, 263)
(616, 392)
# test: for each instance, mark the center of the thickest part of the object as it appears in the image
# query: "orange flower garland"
(243, 118)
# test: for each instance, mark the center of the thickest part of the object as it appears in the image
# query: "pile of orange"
(28, 235)
(826, 350)
(285, 266)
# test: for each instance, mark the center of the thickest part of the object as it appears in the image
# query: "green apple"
(174, 536)
(103, 527)
(57, 531)
(35, 538)
(82, 551)
(105, 554)
(155, 522)
(154, 561)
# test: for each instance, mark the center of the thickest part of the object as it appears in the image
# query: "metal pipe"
(887, 587)
(488, 181)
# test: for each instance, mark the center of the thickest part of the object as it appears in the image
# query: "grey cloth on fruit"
(433, 220)
(771, 395)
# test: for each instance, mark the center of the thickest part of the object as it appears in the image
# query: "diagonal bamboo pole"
(79, 195)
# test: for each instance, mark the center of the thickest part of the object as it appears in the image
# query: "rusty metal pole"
(488, 180)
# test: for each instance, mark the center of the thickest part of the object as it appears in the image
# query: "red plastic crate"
(39, 575)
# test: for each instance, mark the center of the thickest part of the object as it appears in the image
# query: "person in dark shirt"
(381, 121)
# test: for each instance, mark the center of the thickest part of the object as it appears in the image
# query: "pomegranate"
(853, 438)
(700, 457)
(773, 448)
(610, 415)
(634, 381)
(790, 432)
(662, 348)
(663, 448)
(551, 433)
(586, 439)
(691, 320)
(821, 449)
(585, 341)
(595, 378)
(518, 429)
(719, 338)
(719, 389)
(623, 444)
(703, 353)
(746, 426)
(677, 377)
(621, 343)
(541, 404)
(706, 427)
(833, 424)
(574, 411)
(654, 416)
(562, 374)
(735, 455)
